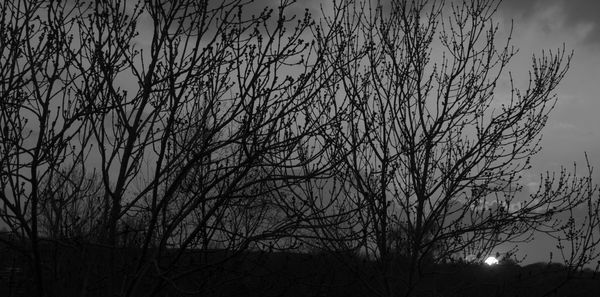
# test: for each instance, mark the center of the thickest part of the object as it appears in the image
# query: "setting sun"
(491, 261)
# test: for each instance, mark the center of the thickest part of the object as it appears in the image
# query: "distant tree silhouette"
(69, 205)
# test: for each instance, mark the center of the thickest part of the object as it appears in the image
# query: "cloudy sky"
(571, 130)
(547, 24)
(572, 127)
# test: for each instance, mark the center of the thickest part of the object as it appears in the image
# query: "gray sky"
(572, 128)
(548, 24)
(578, 15)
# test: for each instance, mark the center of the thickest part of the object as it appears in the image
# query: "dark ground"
(79, 271)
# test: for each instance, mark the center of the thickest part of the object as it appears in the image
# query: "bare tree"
(39, 116)
(577, 234)
(69, 205)
(150, 132)
(201, 115)
(189, 112)
(435, 151)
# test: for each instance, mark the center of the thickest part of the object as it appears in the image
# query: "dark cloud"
(576, 12)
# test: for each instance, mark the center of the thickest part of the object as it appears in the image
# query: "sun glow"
(491, 261)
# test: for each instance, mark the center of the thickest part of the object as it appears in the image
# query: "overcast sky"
(572, 128)
(548, 24)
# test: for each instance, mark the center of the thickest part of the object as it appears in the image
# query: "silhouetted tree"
(136, 133)
(40, 117)
(69, 205)
(191, 114)
(434, 148)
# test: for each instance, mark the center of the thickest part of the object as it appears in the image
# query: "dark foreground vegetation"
(84, 271)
